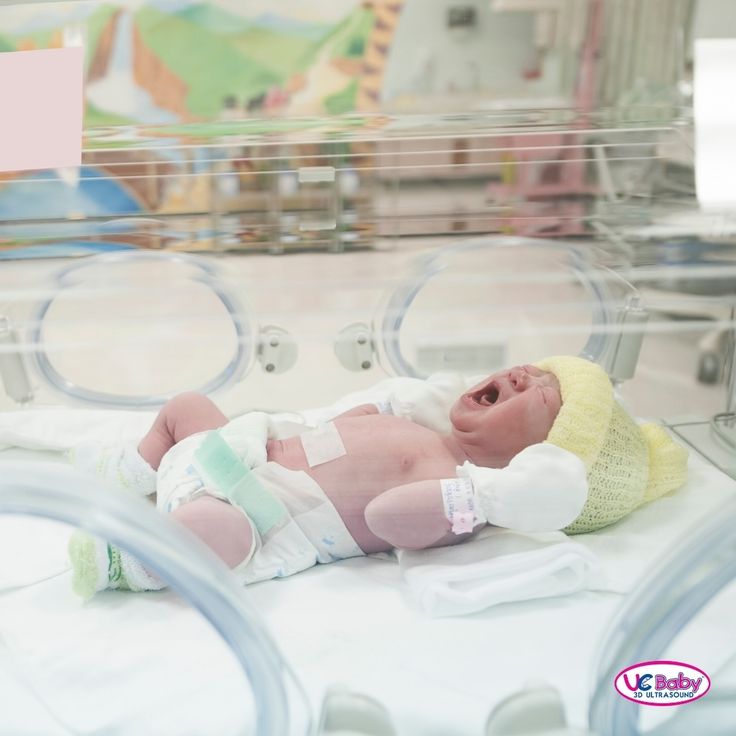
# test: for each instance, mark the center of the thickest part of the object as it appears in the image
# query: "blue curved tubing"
(663, 603)
(207, 275)
(434, 263)
(60, 493)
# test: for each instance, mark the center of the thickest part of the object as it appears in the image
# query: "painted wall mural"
(186, 67)
(161, 73)
(164, 61)
(207, 108)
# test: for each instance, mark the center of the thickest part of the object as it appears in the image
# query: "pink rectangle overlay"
(41, 108)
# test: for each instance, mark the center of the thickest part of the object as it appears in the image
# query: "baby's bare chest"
(381, 452)
(394, 450)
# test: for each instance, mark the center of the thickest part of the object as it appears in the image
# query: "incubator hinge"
(623, 354)
(12, 367)
(346, 713)
(537, 711)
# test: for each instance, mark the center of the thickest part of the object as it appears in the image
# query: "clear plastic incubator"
(298, 209)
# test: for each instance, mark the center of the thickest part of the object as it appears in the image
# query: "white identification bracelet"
(459, 501)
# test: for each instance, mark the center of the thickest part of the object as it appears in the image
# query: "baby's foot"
(98, 566)
(120, 465)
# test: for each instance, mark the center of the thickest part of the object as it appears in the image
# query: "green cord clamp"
(221, 467)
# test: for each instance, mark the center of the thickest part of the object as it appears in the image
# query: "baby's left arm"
(543, 488)
(413, 516)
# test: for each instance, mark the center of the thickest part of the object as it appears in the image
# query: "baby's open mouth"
(487, 396)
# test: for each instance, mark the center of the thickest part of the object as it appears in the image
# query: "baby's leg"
(97, 565)
(221, 526)
(180, 417)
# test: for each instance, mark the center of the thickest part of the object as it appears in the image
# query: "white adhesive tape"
(322, 444)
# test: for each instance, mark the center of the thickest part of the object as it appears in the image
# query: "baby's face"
(508, 411)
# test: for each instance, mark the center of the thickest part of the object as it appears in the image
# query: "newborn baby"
(369, 481)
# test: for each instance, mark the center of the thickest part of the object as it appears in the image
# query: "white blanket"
(59, 429)
(501, 566)
(353, 623)
(497, 567)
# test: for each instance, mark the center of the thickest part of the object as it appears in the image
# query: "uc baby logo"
(662, 682)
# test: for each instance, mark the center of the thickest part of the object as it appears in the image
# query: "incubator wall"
(608, 167)
(520, 183)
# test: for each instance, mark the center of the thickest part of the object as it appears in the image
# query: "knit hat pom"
(667, 462)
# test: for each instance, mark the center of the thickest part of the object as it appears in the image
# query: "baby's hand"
(543, 488)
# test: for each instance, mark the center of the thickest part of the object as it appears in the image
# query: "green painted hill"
(210, 66)
(214, 19)
(282, 54)
(349, 37)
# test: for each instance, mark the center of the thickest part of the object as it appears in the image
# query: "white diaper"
(312, 532)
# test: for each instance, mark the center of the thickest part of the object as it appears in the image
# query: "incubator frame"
(64, 495)
(668, 598)
(206, 273)
(672, 594)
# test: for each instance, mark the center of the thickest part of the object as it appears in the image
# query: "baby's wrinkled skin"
(386, 487)
(491, 423)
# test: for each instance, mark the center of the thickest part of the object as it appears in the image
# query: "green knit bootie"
(98, 566)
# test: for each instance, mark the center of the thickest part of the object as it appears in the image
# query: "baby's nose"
(518, 379)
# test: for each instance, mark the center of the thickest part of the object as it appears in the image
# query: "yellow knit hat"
(627, 464)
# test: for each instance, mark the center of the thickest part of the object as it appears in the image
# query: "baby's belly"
(350, 486)
(352, 481)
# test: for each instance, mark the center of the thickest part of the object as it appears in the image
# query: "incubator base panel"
(147, 663)
(702, 437)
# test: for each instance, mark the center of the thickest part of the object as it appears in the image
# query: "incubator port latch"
(277, 349)
(354, 347)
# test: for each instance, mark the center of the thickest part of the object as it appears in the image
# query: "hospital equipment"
(292, 271)
(54, 493)
(555, 270)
